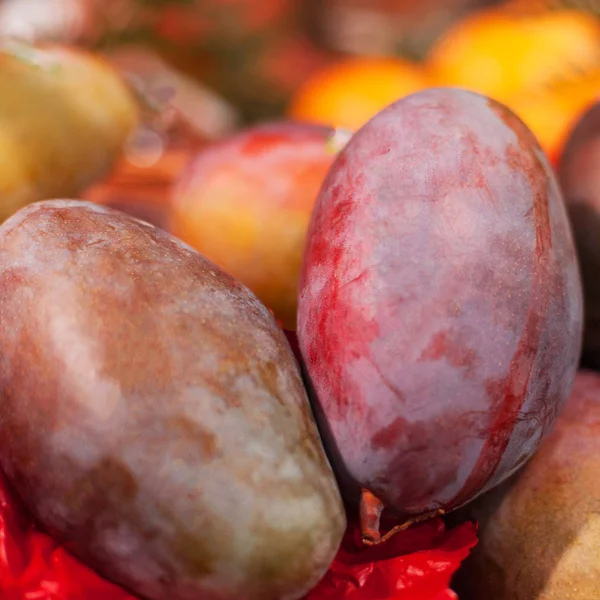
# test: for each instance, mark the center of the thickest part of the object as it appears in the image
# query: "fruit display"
(299, 299)
(539, 532)
(579, 175)
(439, 304)
(65, 116)
(245, 203)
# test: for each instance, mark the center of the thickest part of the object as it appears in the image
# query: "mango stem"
(371, 509)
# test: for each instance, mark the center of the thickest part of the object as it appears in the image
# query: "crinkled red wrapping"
(416, 564)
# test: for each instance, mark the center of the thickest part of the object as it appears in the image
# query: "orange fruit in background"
(501, 52)
(349, 92)
(551, 114)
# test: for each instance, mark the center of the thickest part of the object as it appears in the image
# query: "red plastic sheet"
(416, 564)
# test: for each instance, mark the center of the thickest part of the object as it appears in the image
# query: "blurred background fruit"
(65, 115)
(181, 116)
(334, 60)
(56, 20)
(349, 92)
(141, 181)
(499, 52)
(246, 201)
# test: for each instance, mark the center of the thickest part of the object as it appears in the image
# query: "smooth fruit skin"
(152, 416)
(579, 176)
(349, 92)
(65, 117)
(539, 533)
(499, 51)
(440, 302)
(245, 203)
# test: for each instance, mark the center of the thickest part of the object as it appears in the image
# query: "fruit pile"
(347, 354)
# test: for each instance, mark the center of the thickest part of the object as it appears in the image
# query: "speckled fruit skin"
(245, 203)
(152, 416)
(579, 177)
(539, 533)
(440, 302)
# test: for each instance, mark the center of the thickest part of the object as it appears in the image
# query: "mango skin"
(152, 415)
(440, 302)
(539, 533)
